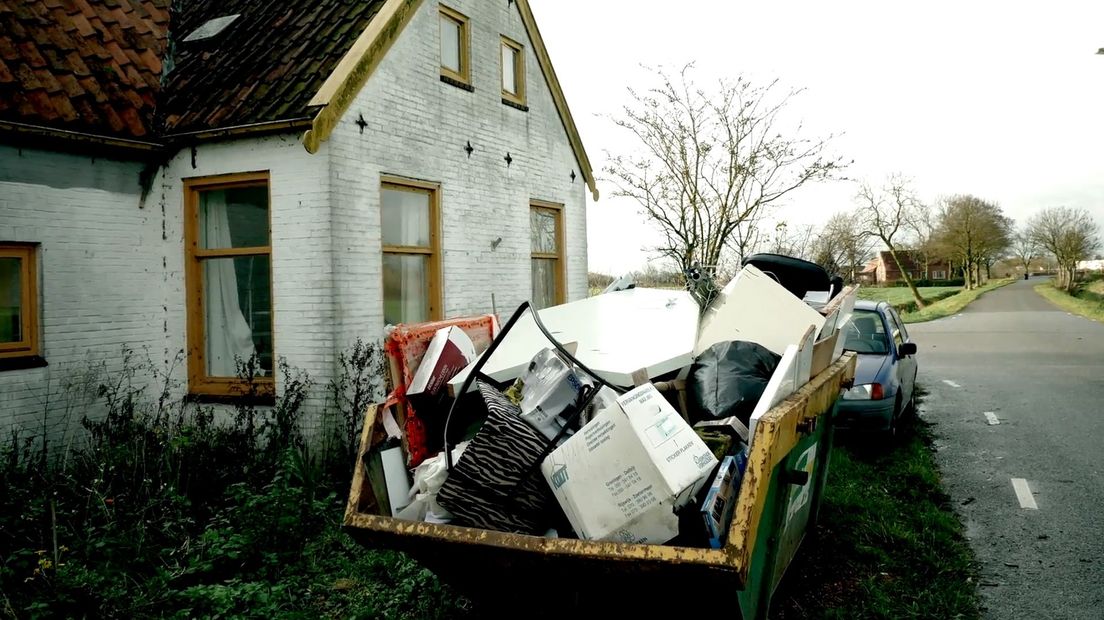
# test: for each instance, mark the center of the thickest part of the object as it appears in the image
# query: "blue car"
(885, 378)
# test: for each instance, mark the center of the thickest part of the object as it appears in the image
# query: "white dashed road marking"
(992, 418)
(1023, 493)
(952, 383)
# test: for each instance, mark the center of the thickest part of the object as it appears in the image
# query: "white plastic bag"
(428, 479)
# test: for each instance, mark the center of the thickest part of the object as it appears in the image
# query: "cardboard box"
(720, 500)
(623, 475)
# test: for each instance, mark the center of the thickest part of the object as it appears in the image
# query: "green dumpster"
(512, 575)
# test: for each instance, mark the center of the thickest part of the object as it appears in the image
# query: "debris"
(618, 334)
(626, 472)
(755, 308)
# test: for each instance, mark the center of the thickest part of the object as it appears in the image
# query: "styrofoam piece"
(782, 383)
(618, 333)
(846, 309)
(755, 308)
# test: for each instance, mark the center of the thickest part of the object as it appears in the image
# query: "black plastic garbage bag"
(728, 379)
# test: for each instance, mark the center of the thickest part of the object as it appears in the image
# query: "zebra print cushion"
(483, 488)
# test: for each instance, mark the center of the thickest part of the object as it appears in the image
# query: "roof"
(265, 66)
(89, 66)
(126, 69)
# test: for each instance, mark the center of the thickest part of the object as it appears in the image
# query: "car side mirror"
(906, 349)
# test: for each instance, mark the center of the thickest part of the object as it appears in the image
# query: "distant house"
(1091, 265)
(236, 179)
(883, 269)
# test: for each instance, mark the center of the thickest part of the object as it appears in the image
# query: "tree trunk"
(908, 279)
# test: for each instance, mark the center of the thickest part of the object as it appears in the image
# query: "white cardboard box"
(623, 475)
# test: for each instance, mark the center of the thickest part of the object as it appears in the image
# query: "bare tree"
(884, 213)
(1070, 235)
(796, 241)
(922, 225)
(1025, 248)
(973, 232)
(841, 248)
(708, 161)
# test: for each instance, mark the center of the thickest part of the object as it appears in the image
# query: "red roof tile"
(51, 45)
(96, 66)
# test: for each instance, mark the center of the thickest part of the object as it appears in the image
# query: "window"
(866, 333)
(455, 43)
(411, 265)
(547, 243)
(513, 72)
(18, 301)
(900, 334)
(229, 282)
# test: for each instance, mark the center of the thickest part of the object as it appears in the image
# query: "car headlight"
(868, 391)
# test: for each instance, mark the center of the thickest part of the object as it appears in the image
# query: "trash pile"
(627, 416)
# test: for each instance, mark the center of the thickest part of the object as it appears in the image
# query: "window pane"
(450, 44)
(509, 69)
(542, 229)
(233, 218)
(405, 288)
(237, 304)
(866, 333)
(544, 283)
(405, 217)
(11, 300)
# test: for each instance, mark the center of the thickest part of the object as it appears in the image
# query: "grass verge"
(953, 304)
(1088, 305)
(902, 295)
(888, 544)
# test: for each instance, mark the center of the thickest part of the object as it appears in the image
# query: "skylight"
(211, 28)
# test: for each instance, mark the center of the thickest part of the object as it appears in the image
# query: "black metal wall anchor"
(807, 426)
(509, 160)
(470, 149)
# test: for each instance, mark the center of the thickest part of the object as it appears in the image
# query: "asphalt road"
(1040, 371)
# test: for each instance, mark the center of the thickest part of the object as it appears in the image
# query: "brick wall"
(100, 265)
(112, 272)
(418, 127)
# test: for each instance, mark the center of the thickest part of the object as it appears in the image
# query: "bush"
(159, 511)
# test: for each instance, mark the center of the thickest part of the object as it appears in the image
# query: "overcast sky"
(1002, 100)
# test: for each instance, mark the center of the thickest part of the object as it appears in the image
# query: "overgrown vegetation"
(953, 304)
(888, 544)
(160, 508)
(1086, 300)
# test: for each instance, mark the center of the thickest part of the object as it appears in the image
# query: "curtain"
(228, 333)
(415, 281)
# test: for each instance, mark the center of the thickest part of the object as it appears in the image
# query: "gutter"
(65, 134)
(167, 142)
(302, 122)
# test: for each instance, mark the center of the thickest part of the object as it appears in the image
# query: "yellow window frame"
(27, 345)
(199, 382)
(433, 250)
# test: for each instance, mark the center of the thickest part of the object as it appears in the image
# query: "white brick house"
(395, 164)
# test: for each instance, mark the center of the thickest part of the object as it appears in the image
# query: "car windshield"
(866, 333)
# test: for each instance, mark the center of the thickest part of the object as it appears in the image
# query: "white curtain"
(228, 333)
(406, 223)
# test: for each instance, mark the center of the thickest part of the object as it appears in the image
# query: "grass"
(953, 304)
(902, 295)
(888, 544)
(1088, 302)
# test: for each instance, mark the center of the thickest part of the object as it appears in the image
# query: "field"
(899, 295)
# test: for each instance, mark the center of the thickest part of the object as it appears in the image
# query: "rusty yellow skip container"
(513, 575)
